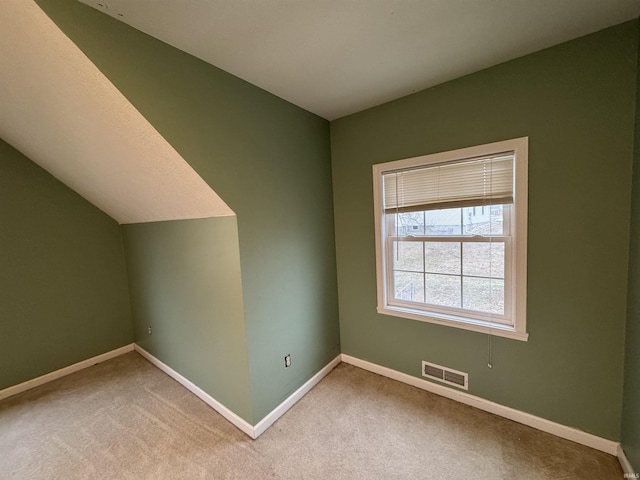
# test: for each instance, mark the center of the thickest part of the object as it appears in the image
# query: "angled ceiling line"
(337, 57)
(60, 111)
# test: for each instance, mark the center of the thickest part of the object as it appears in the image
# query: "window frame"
(516, 263)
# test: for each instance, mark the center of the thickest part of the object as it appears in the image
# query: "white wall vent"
(445, 375)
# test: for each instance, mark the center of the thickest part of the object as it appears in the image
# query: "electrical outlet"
(287, 361)
(149, 330)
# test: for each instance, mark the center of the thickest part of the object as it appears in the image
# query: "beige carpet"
(125, 419)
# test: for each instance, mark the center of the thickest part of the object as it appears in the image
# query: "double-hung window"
(451, 238)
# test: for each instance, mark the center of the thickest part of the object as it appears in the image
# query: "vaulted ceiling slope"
(337, 57)
(59, 110)
(331, 57)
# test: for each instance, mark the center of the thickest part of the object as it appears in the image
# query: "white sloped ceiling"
(59, 110)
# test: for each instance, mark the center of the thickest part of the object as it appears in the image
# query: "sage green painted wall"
(269, 161)
(575, 102)
(63, 284)
(184, 279)
(631, 400)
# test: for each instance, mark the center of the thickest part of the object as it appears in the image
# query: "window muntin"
(451, 238)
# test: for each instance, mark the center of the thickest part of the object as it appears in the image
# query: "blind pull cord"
(397, 222)
(489, 353)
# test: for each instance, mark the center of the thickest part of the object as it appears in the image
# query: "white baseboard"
(236, 420)
(253, 431)
(625, 464)
(49, 377)
(291, 400)
(569, 433)
(575, 435)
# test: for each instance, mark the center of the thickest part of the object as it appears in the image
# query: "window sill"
(491, 329)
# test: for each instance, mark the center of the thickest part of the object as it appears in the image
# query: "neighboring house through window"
(451, 238)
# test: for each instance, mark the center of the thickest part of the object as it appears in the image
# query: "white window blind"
(462, 183)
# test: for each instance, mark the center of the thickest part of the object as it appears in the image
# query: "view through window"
(451, 258)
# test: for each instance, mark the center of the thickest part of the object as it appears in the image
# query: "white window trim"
(519, 240)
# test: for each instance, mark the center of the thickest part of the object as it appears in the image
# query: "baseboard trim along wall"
(49, 377)
(252, 431)
(569, 433)
(292, 399)
(236, 420)
(625, 463)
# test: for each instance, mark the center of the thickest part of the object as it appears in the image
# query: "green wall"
(631, 401)
(575, 102)
(270, 162)
(185, 284)
(63, 284)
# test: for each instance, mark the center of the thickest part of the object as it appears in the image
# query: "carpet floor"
(125, 419)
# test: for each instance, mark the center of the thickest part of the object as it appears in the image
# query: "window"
(451, 238)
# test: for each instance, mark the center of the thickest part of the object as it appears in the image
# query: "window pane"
(484, 259)
(442, 257)
(443, 222)
(411, 223)
(483, 294)
(409, 286)
(483, 220)
(443, 290)
(408, 256)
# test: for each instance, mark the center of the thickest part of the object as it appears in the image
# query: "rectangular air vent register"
(445, 375)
